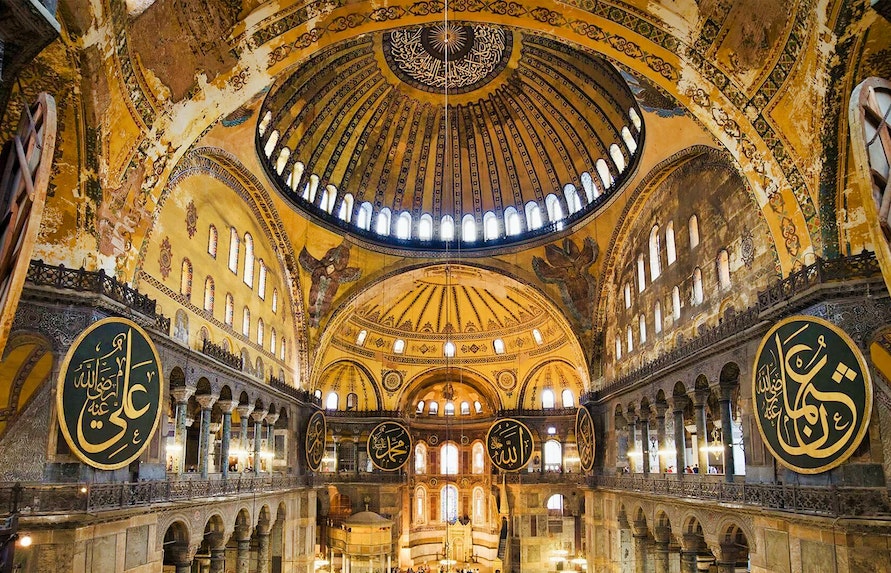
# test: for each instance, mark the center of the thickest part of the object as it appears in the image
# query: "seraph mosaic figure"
(327, 274)
(567, 266)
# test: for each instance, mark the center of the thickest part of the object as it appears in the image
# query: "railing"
(860, 266)
(365, 414)
(566, 478)
(525, 412)
(41, 274)
(376, 477)
(221, 354)
(831, 501)
(42, 499)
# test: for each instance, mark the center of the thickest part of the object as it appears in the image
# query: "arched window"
(694, 231)
(295, 175)
(331, 401)
(536, 335)
(697, 286)
(433, 408)
(448, 509)
(547, 398)
(208, 294)
(382, 227)
(603, 171)
(630, 336)
(511, 222)
(642, 324)
(573, 203)
(274, 300)
(212, 241)
(555, 210)
(282, 349)
(724, 268)
(553, 456)
(403, 226)
(246, 322)
(676, 303)
(618, 159)
(346, 208)
(425, 227)
(448, 459)
(329, 198)
(498, 345)
(309, 190)
(465, 408)
(468, 229)
(264, 123)
(533, 216)
(398, 346)
(272, 341)
(591, 190)
(567, 398)
(248, 260)
(868, 115)
(671, 253)
(635, 119)
(449, 409)
(478, 458)
(270, 143)
(618, 347)
(360, 338)
(490, 226)
(479, 506)
(421, 452)
(627, 291)
(555, 505)
(261, 326)
(282, 161)
(261, 281)
(230, 309)
(352, 401)
(448, 349)
(185, 279)
(477, 407)
(364, 219)
(447, 229)
(233, 250)
(630, 144)
(657, 317)
(655, 254)
(420, 506)
(641, 273)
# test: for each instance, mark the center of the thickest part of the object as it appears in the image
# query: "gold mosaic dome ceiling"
(450, 134)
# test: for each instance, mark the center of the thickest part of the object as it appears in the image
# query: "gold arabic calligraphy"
(390, 445)
(509, 445)
(809, 421)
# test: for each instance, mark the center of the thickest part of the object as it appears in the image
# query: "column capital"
(639, 528)
(182, 394)
(662, 534)
(227, 405)
(726, 391)
(258, 415)
(215, 540)
(242, 533)
(679, 403)
(700, 397)
(660, 408)
(272, 418)
(206, 401)
(244, 410)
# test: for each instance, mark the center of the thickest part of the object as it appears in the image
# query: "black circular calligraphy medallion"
(108, 395)
(389, 446)
(315, 440)
(812, 394)
(584, 437)
(509, 444)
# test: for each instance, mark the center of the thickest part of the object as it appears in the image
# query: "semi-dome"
(535, 134)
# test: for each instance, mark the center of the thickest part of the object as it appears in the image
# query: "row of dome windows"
(449, 348)
(492, 227)
(724, 282)
(449, 457)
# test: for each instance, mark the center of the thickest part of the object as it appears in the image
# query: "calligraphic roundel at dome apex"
(478, 134)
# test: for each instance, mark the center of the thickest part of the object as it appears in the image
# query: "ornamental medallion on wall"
(584, 437)
(812, 394)
(389, 446)
(316, 430)
(509, 444)
(108, 395)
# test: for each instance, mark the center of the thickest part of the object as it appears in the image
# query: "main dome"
(449, 135)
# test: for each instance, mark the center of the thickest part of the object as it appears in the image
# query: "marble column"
(206, 401)
(644, 425)
(226, 406)
(727, 431)
(181, 555)
(262, 552)
(700, 401)
(244, 412)
(271, 419)
(661, 437)
(181, 395)
(243, 555)
(690, 543)
(639, 532)
(680, 436)
(217, 552)
(257, 416)
(631, 417)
